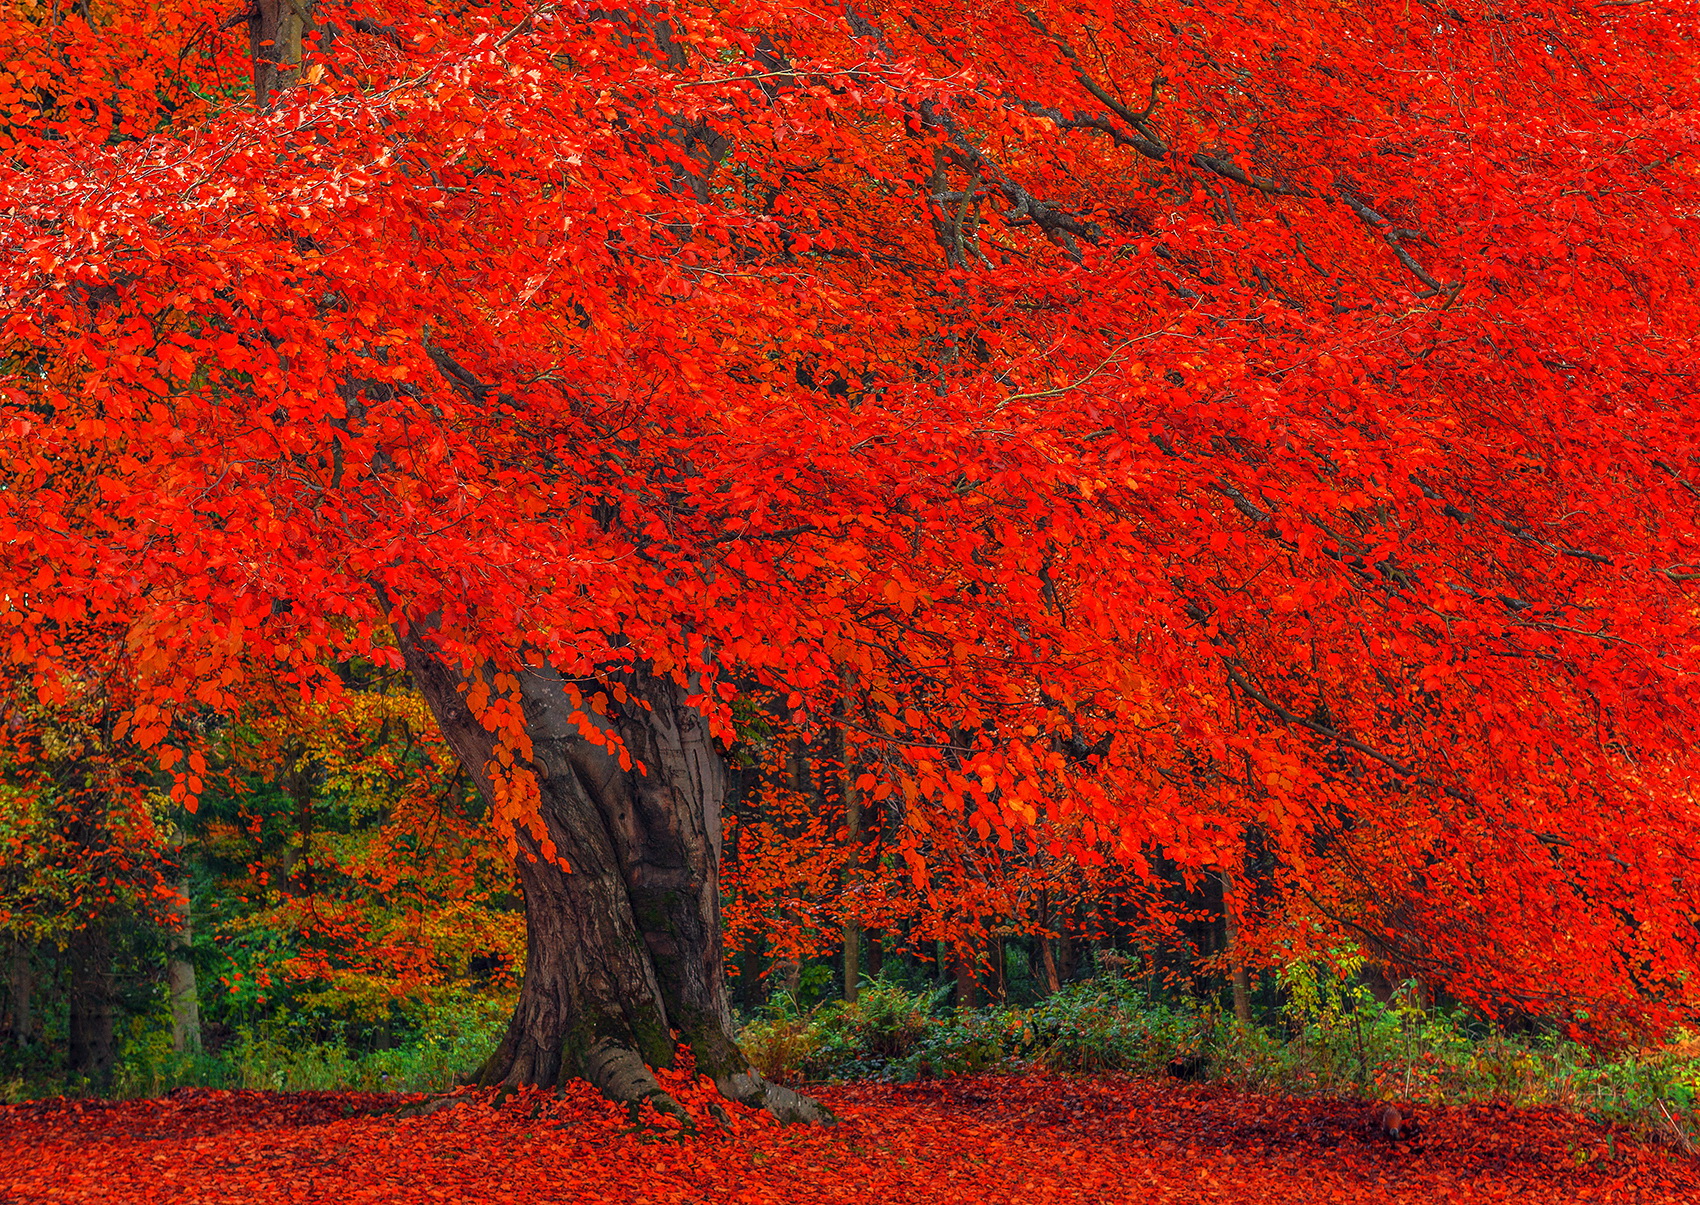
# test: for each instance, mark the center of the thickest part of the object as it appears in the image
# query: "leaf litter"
(1005, 1138)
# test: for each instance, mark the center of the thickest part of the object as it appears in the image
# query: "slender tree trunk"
(1048, 967)
(90, 1032)
(624, 946)
(180, 978)
(179, 964)
(1238, 975)
(20, 985)
(1051, 982)
(1068, 956)
(967, 982)
(852, 868)
(852, 937)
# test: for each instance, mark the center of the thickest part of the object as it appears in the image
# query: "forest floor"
(1006, 1138)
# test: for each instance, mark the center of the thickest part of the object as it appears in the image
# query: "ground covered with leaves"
(1016, 1138)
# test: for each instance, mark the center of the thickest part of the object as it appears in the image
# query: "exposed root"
(620, 1074)
(718, 1057)
(791, 1108)
(430, 1105)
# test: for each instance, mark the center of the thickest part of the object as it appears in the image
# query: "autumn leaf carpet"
(1030, 1138)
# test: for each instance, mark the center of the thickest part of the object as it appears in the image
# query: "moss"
(717, 1056)
(647, 1035)
(653, 910)
(653, 1040)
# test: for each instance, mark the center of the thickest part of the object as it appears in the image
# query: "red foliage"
(993, 1139)
(1157, 430)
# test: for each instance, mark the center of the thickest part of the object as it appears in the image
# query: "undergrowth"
(287, 1054)
(1332, 1041)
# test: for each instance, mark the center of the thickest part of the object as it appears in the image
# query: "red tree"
(1169, 424)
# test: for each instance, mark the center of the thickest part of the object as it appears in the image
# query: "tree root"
(430, 1105)
(791, 1108)
(620, 1074)
(718, 1057)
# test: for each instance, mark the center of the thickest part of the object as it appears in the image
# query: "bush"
(452, 1035)
(1337, 1039)
(874, 1036)
(1106, 1025)
(783, 1047)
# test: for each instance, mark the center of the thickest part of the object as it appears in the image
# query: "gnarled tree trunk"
(624, 947)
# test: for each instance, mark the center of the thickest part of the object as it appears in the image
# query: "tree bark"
(967, 982)
(20, 984)
(852, 932)
(180, 978)
(1068, 956)
(852, 937)
(624, 947)
(1047, 962)
(90, 1031)
(277, 35)
(1238, 975)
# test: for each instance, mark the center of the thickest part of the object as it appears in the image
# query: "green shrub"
(1107, 1025)
(450, 1036)
(1338, 1039)
(782, 1047)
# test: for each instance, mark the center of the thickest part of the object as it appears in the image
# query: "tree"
(1169, 427)
(80, 819)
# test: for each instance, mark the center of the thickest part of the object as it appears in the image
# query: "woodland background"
(340, 915)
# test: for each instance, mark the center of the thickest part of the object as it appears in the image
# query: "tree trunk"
(852, 937)
(180, 978)
(20, 985)
(1068, 957)
(1047, 962)
(852, 932)
(1238, 975)
(967, 982)
(624, 947)
(1048, 966)
(277, 34)
(92, 1047)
